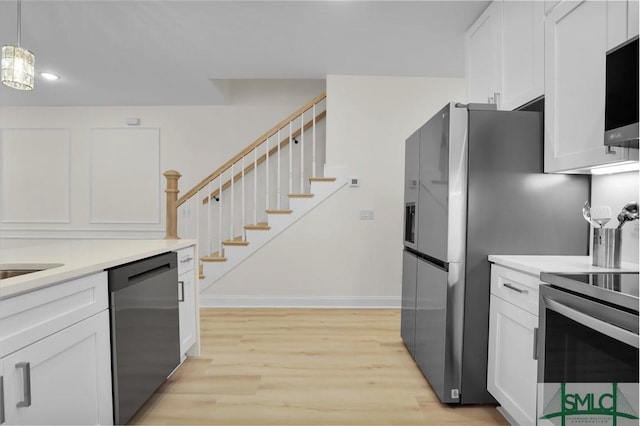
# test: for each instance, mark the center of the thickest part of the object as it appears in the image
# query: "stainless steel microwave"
(621, 96)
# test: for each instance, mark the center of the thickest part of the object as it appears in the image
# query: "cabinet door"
(575, 48)
(622, 21)
(511, 369)
(549, 5)
(484, 55)
(187, 309)
(616, 23)
(633, 15)
(64, 378)
(523, 53)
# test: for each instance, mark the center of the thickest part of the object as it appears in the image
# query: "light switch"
(366, 215)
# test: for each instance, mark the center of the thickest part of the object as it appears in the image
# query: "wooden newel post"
(172, 204)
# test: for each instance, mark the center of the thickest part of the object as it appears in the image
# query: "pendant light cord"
(19, 21)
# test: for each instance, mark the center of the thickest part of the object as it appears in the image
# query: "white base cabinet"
(512, 365)
(187, 304)
(62, 379)
(512, 371)
(55, 355)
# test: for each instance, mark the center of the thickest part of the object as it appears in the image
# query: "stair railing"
(220, 186)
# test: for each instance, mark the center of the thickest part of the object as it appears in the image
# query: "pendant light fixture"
(17, 66)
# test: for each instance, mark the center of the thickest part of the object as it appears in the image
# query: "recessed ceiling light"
(49, 76)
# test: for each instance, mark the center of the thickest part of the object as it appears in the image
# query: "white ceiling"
(187, 52)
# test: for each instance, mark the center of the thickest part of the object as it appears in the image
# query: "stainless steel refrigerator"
(474, 186)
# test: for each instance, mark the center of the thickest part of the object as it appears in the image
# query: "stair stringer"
(235, 255)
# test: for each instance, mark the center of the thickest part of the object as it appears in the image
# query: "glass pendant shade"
(17, 68)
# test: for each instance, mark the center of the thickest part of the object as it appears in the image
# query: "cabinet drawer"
(186, 260)
(30, 317)
(516, 287)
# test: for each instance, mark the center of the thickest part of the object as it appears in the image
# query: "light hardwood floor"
(303, 367)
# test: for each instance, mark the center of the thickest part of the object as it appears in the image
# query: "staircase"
(257, 194)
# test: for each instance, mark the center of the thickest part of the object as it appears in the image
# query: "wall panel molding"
(35, 170)
(125, 178)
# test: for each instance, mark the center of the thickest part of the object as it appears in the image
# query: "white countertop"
(79, 258)
(536, 264)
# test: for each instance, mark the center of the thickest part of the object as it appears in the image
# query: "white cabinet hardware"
(514, 288)
(26, 384)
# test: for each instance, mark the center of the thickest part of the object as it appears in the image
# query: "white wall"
(194, 140)
(615, 191)
(330, 257)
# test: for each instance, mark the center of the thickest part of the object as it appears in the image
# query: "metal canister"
(606, 247)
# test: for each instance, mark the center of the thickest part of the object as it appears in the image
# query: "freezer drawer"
(438, 347)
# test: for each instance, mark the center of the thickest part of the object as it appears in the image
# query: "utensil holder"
(606, 247)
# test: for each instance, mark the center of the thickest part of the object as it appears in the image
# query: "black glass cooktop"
(616, 287)
(626, 283)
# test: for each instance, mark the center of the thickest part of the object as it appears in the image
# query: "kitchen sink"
(9, 270)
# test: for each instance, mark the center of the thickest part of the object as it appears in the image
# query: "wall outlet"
(354, 181)
(366, 215)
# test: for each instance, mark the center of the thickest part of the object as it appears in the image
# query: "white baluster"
(220, 215)
(266, 175)
(313, 149)
(255, 186)
(242, 215)
(209, 245)
(290, 158)
(302, 152)
(278, 177)
(197, 198)
(232, 207)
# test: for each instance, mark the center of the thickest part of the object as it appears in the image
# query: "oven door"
(585, 341)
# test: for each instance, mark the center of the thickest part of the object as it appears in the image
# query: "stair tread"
(302, 195)
(237, 241)
(279, 211)
(322, 179)
(214, 258)
(258, 227)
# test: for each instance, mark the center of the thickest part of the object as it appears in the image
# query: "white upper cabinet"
(549, 5)
(576, 34)
(633, 15)
(522, 53)
(616, 23)
(484, 55)
(622, 21)
(505, 54)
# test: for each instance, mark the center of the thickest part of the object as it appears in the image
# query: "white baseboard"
(207, 301)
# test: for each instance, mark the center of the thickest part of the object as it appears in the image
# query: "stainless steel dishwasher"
(145, 339)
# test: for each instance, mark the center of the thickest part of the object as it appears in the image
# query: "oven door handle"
(603, 327)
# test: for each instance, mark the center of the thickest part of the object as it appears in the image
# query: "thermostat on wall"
(354, 181)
